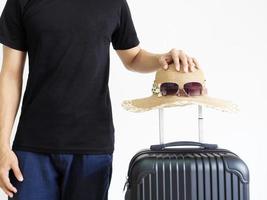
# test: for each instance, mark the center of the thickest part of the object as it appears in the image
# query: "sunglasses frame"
(156, 89)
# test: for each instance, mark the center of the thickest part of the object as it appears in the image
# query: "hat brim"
(155, 102)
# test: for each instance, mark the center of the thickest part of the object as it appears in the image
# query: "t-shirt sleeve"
(125, 36)
(12, 33)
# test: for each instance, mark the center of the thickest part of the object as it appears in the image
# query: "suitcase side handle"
(183, 143)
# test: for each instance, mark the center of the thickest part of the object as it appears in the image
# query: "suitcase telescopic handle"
(183, 143)
(200, 125)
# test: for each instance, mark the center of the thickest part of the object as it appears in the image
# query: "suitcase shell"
(187, 174)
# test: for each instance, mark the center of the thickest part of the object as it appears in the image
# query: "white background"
(229, 40)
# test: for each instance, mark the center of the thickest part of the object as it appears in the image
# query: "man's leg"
(87, 177)
(40, 177)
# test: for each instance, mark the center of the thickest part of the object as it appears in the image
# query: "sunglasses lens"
(169, 88)
(193, 88)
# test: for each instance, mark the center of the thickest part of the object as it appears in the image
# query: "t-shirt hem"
(38, 149)
(133, 44)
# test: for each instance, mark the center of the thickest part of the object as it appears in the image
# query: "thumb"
(163, 62)
(17, 172)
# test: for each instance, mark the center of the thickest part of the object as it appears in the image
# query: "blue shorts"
(62, 176)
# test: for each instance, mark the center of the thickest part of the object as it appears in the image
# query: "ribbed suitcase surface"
(187, 174)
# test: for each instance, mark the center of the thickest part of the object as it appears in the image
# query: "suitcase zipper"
(126, 184)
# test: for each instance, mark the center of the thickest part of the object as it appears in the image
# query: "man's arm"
(11, 76)
(139, 60)
(10, 91)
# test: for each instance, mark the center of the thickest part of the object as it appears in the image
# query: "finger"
(169, 59)
(191, 64)
(17, 172)
(4, 188)
(7, 184)
(183, 59)
(7, 192)
(196, 63)
(163, 62)
(175, 58)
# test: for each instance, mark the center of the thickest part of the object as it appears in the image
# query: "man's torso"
(66, 106)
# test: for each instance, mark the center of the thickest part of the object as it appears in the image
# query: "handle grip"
(183, 143)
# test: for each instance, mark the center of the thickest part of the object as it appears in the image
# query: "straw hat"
(171, 75)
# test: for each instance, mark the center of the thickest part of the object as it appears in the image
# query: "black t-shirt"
(66, 106)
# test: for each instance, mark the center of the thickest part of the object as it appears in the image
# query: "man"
(64, 143)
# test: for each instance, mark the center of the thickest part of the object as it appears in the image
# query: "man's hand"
(8, 160)
(180, 59)
(139, 60)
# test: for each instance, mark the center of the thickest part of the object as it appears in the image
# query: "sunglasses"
(170, 88)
